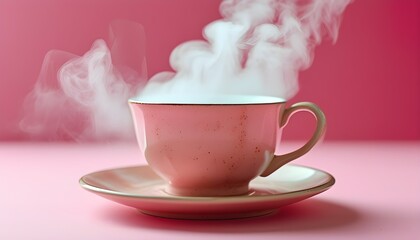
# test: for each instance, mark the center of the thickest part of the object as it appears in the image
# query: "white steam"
(85, 98)
(258, 48)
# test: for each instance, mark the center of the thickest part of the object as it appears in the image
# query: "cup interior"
(207, 99)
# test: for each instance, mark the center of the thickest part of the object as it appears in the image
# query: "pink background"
(368, 83)
(370, 200)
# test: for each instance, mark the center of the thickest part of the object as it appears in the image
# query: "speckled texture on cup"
(207, 150)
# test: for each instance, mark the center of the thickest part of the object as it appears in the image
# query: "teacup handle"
(279, 161)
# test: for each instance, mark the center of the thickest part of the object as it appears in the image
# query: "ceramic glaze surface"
(141, 188)
(207, 150)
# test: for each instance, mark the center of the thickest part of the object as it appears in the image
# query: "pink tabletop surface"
(376, 196)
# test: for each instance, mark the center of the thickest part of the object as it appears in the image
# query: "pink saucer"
(141, 188)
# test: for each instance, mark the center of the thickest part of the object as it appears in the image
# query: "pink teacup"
(216, 149)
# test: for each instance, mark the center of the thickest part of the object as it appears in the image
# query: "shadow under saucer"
(309, 215)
